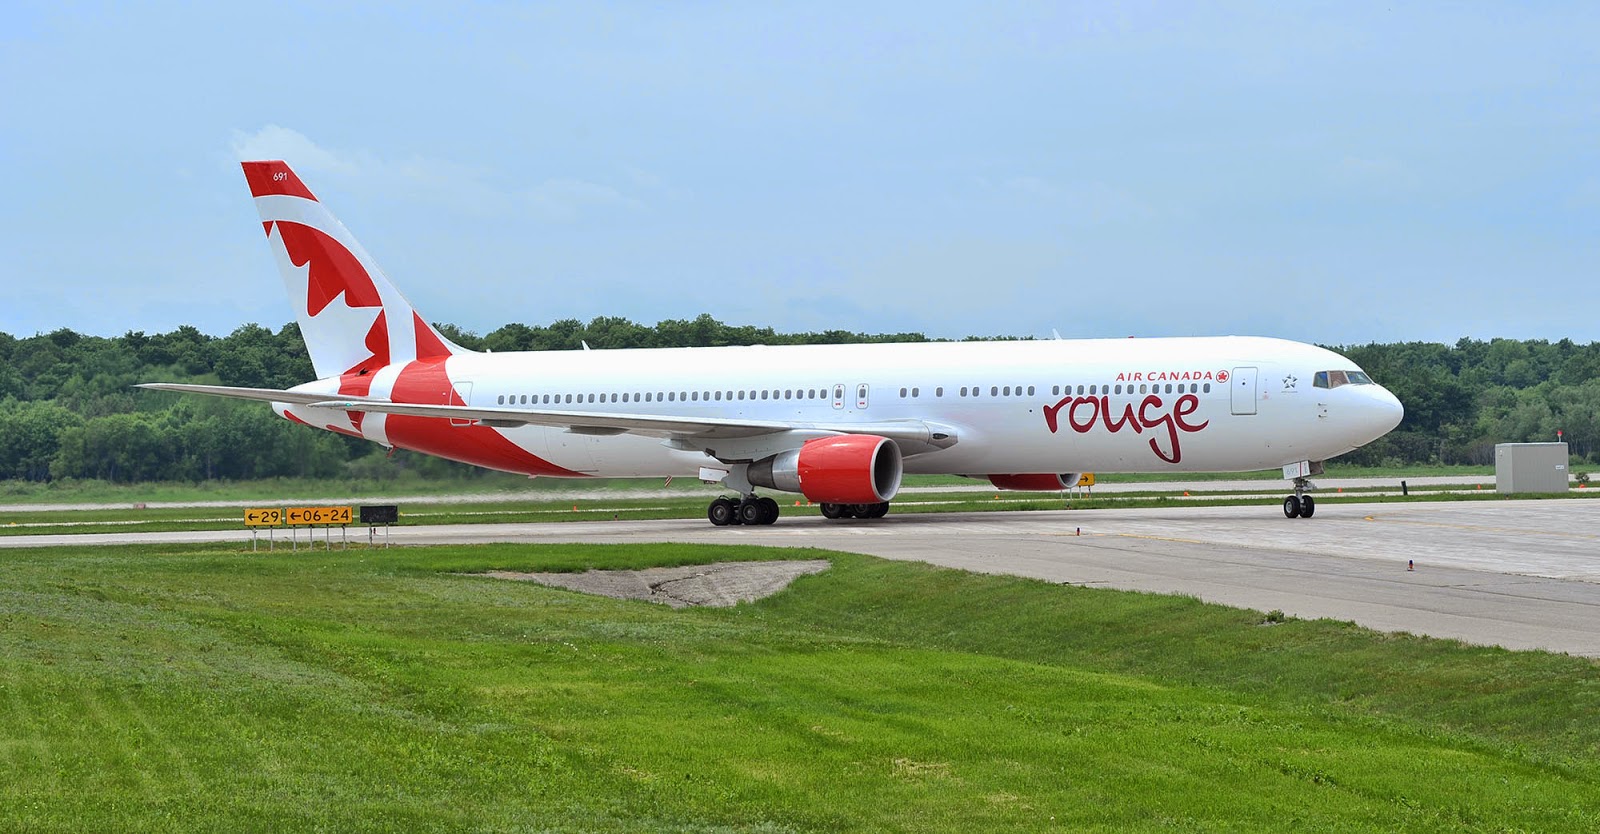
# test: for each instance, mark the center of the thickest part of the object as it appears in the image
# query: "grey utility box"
(1530, 467)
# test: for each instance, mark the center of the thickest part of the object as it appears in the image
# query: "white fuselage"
(1102, 405)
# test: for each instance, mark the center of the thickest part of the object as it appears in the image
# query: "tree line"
(68, 408)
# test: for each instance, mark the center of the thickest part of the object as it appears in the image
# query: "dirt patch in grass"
(718, 585)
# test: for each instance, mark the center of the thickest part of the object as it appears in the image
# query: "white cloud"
(466, 188)
(292, 146)
(1382, 175)
(564, 198)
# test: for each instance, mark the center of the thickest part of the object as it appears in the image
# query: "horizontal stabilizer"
(268, 395)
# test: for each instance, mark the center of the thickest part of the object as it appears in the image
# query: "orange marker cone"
(574, 507)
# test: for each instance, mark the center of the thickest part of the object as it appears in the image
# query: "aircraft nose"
(1387, 410)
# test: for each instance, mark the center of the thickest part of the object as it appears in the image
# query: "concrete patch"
(718, 585)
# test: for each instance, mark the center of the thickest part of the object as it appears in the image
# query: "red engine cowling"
(1036, 483)
(847, 469)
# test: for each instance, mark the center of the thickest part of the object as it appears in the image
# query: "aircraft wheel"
(878, 510)
(750, 512)
(722, 512)
(769, 510)
(832, 510)
(1308, 506)
(1291, 506)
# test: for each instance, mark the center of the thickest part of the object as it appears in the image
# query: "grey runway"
(1519, 574)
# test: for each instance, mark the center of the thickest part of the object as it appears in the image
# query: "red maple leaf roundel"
(1222, 376)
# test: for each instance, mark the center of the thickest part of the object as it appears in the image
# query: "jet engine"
(1036, 483)
(845, 469)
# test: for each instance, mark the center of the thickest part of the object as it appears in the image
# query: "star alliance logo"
(1288, 382)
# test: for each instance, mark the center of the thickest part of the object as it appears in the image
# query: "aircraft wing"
(691, 429)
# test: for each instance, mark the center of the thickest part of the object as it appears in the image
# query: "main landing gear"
(752, 510)
(1300, 505)
(855, 510)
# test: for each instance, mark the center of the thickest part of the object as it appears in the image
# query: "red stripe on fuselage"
(428, 344)
(427, 383)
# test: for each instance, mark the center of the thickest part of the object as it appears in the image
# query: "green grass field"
(176, 689)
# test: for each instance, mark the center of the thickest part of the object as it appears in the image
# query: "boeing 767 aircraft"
(839, 424)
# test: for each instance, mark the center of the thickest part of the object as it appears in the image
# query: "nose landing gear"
(1300, 505)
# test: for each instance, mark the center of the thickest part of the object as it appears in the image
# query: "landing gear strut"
(752, 510)
(1300, 505)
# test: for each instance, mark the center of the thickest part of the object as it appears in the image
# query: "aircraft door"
(1243, 387)
(464, 391)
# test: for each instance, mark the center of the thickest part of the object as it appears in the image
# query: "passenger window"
(994, 390)
(1208, 388)
(902, 393)
(1030, 390)
(938, 392)
(914, 393)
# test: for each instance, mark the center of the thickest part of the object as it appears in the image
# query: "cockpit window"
(1334, 379)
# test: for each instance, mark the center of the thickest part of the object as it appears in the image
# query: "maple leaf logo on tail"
(353, 320)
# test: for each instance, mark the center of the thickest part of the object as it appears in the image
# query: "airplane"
(840, 425)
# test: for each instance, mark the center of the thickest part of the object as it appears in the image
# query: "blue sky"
(1338, 172)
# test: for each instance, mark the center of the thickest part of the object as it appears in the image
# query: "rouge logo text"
(1084, 412)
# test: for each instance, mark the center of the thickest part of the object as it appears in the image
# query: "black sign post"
(376, 514)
